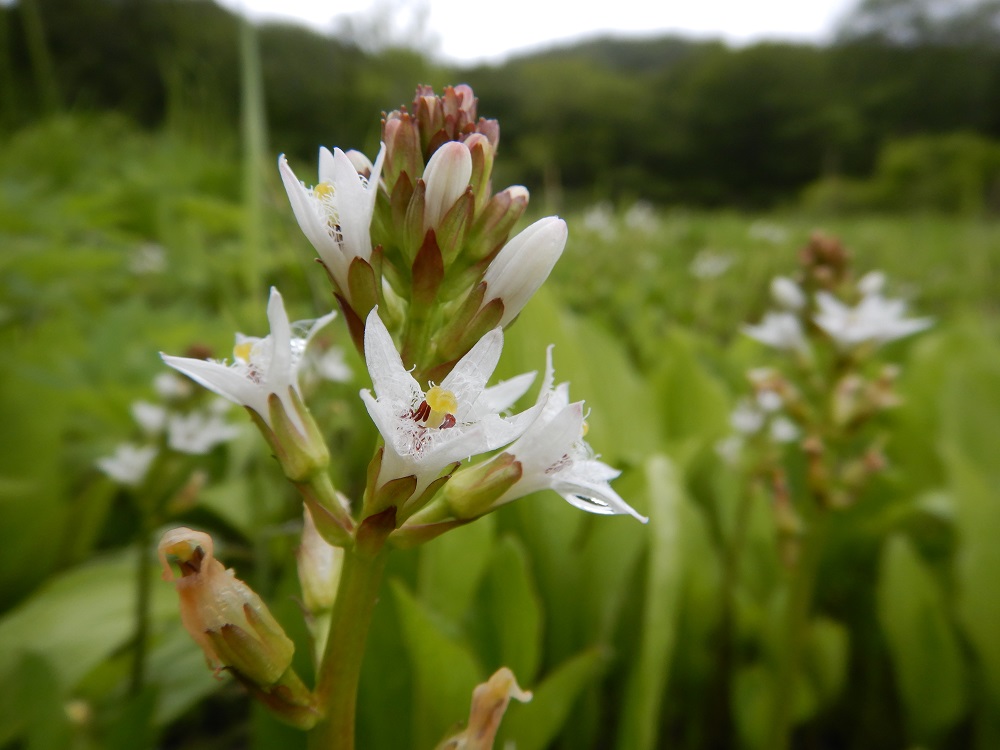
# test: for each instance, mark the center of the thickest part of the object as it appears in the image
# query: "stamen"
(323, 190)
(242, 351)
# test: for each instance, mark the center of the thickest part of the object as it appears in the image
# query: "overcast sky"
(464, 31)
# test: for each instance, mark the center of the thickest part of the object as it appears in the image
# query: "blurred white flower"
(458, 419)
(129, 463)
(729, 449)
(787, 293)
(336, 214)
(641, 217)
(768, 400)
(780, 330)
(874, 319)
(197, 432)
(768, 231)
(170, 387)
(151, 418)
(783, 430)
(261, 366)
(332, 365)
(746, 417)
(148, 259)
(710, 264)
(553, 455)
(871, 283)
(600, 220)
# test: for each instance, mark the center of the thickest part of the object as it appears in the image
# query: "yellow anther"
(585, 429)
(242, 351)
(323, 190)
(441, 400)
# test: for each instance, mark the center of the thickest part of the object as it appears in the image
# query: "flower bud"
(489, 704)
(523, 264)
(224, 616)
(447, 177)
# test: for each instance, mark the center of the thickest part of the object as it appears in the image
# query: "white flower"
(261, 366)
(523, 264)
(336, 214)
(783, 430)
(780, 330)
(871, 283)
(129, 463)
(874, 319)
(460, 418)
(746, 418)
(641, 217)
(554, 455)
(709, 264)
(197, 432)
(151, 418)
(769, 400)
(170, 387)
(729, 449)
(767, 231)
(787, 293)
(332, 365)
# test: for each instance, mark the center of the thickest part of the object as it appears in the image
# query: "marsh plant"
(426, 275)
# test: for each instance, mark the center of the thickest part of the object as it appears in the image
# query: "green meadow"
(119, 244)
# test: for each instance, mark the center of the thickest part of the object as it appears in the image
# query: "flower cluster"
(828, 399)
(172, 424)
(419, 252)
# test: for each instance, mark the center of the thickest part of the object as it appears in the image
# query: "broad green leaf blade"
(514, 610)
(926, 657)
(452, 566)
(444, 670)
(648, 679)
(80, 617)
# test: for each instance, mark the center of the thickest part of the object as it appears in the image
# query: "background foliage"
(128, 141)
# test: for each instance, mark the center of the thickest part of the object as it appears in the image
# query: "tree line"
(667, 119)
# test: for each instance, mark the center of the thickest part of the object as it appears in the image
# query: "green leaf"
(534, 725)
(976, 563)
(925, 652)
(452, 566)
(648, 679)
(514, 610)
(80, 617)
(444, 670)
(824, 659)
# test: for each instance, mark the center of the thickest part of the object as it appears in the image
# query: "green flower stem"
(798, 606)
(337, 684)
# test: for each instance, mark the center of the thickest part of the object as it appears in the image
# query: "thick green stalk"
(337, 683)
(797, 609)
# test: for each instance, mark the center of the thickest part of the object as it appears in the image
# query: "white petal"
(222, 380)
(312, 224)
(468, 379)
(389, 377)
(505, 394)
(447, 176)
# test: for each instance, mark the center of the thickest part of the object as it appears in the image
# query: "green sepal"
(474, 491)
(364, 285)
(415, 504)
(482, 171)
(492, 227)
(393, 494)
(454, 226)
(413, 222)
(428, 271)
(289, 700)
(301, 455)
(260, 657)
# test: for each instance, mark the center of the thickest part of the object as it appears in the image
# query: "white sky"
(465, 31)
